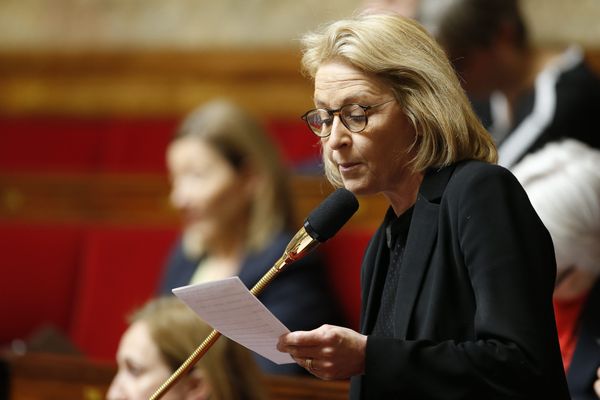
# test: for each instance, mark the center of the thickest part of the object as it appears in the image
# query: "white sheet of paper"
(228, 306)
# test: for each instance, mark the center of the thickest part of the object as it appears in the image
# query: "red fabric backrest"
(344, 254)
(120, 271)
(84, 145)
(39, 267)
(120, 144)
(86, 280)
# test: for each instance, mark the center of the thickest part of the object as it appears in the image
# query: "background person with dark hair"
(525, 95)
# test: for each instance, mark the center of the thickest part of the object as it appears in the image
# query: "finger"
(300, 361)
(316, 337)
(302, 353)
(316, 364)
(294, 344)
(306, 363)
(297, 338)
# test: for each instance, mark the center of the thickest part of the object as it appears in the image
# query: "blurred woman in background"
(160, 338)
(232, 189)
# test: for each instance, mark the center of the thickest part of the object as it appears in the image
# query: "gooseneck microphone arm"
(322, 223)
(282, 262)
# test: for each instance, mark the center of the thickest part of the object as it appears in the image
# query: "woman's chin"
(357, 188)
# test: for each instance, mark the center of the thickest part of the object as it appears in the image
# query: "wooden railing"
(133, 199)
(58, 377)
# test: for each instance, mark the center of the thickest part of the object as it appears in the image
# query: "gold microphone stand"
(300, 245)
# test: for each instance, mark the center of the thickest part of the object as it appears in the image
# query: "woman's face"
(206, 188)
(141, 368)
(374, 160)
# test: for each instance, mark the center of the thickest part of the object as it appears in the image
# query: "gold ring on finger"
(308, 364)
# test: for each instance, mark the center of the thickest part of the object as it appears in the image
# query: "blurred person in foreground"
(160, 337)
(232, 189)
(563, 184)
(525, 95)
(457, 281)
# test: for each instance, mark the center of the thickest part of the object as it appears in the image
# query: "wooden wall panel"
(134, 199)
(267, 82)
(52, 377)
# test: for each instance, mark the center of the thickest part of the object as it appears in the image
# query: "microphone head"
(327, 219)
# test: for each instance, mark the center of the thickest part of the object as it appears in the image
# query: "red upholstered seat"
(344, 254)
(86, 280)
(118, 144)
(39, 265)
(120, 271)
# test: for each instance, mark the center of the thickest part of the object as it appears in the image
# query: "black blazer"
(474, 317)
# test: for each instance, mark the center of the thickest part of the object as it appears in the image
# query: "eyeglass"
(353, 116)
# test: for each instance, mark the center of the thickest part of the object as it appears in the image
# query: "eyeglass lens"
(353, 117)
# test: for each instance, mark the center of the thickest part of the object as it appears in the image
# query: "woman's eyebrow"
(353, 98)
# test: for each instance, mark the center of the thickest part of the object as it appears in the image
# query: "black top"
(396, 232)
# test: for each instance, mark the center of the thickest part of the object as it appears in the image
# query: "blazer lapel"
(373, 277)
(422, 236)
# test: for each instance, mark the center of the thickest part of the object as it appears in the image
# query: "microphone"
(320, 225)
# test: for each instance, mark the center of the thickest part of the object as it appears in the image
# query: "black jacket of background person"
(474, 317)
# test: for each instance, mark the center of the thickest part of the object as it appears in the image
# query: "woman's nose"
(340, 135)
(178, 196)
(115, 391)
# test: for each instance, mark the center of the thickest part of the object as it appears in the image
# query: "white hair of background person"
(430, 12)
(562, 181)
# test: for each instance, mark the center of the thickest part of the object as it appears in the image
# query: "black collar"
(434, 183)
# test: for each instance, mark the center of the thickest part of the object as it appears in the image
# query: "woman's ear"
(197, 385)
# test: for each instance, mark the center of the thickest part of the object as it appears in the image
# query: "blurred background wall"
(198, 24)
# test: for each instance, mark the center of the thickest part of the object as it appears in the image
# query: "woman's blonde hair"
(177, 331)
(244, 143)
(399, 51)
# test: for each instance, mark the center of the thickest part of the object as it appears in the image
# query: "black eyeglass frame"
(333, 113)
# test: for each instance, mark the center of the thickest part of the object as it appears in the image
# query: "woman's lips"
(191, 217)
(347, 167)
